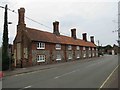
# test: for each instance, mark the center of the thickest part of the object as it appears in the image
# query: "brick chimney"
(21, 16)
(92, 39)
(56, 28)
(85, 36)
(73, 33)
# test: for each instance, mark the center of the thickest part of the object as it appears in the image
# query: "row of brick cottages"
(32, 46)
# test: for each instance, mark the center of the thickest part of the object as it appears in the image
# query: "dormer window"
(69, 47)
(58, 46)
(77, 47)
(40, 45)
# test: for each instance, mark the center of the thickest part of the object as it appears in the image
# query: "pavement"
(40, 67)
(111, 83)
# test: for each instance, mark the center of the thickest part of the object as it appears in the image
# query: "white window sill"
(69, 48)
(40, 48)
(69, 58)
(58, 59)
(78, 57)
(58, 48)
(41, 61)
(84, 56)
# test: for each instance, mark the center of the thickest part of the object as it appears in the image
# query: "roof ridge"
(52, 33)
(39, 35)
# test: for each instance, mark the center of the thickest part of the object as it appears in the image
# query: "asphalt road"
(79, 74)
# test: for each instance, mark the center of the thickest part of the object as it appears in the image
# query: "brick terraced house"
(33, 47)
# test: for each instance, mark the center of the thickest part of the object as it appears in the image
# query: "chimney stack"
(85, 36)
(73, 33)
(92, 39)
(56, 28)
(21, 16)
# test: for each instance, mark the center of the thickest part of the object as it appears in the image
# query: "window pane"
(40, 45)
(58, 46)
(83, 48)
(78, 47)
(69, 47)
(37, 45)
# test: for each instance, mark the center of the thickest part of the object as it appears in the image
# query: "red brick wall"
(50, 47)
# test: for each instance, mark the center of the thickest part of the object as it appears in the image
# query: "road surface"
(91, 73)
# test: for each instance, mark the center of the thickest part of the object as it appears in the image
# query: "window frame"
(93, 49)
(39, 58)
(78, 55)
(93, 54)
(77, 47)
(40, 45)
(58, 46)
(84, 48)
(89, 54)
(69, 56)
(89, 49)
(69, 47)
(96, 49)
(84, 54)
(58, 59)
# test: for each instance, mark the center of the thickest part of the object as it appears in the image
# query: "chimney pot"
(92, 39)
(21, 12)
(56, 28)
(85, 36)
(73, 33)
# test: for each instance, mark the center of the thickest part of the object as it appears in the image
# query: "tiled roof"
(38, 35)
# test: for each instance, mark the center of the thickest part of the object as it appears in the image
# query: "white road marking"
(66, 74)
(27, 86)
(108, 78)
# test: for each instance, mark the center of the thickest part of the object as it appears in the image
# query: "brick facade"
(26, 52)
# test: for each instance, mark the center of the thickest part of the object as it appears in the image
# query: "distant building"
(110, 50)
(115, 49)
(33, 47)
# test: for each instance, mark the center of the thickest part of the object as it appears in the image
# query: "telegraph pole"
(119, 36)
(98, 47)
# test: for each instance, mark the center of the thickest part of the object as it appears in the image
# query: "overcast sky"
(95, 17)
